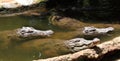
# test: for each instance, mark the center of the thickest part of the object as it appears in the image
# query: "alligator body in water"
(97, 31)
(31, 32)
(78, 44)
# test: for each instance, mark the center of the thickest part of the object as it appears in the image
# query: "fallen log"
(91, 53)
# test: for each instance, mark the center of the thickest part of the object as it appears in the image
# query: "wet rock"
(11, 4)
(96, 31)
(30, 32)
(22, 7)
(17, 3)
(25, 2)
(78, 44)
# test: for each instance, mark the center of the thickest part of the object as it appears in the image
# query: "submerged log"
(92, 53)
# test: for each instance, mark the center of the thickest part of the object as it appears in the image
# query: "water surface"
(9, 53)
(37, 48)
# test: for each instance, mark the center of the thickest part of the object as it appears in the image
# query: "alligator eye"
(30, 32)
(86, 31)
(23, 31)
(58, 18)
(77, 40)
(93, 30)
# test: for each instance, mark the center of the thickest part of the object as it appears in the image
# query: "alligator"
(97, 31)
(31, 32)
(78, 44)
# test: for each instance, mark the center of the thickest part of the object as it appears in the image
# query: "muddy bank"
(27, 13)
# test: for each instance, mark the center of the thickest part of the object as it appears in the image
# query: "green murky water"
(9, 23)
(13, 53)
(29, 50)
